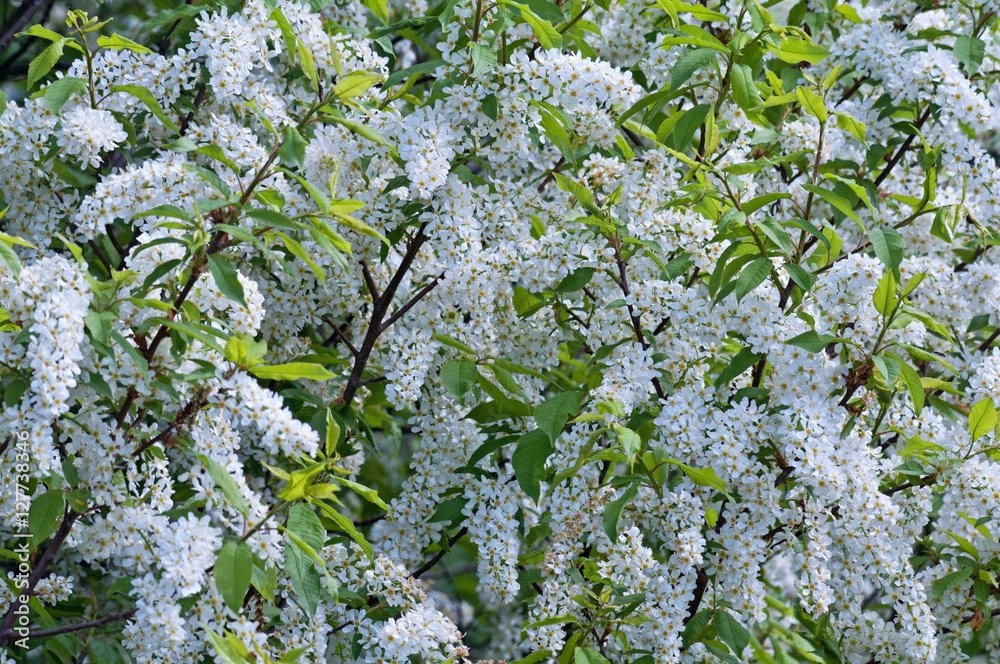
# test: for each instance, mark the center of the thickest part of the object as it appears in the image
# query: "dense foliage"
(558, 330)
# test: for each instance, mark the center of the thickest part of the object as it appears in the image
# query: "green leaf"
(695, 626)
(484, 60)
(853, 126)
(884, 298)
(753, 275)
(545, 10)
(379, 8)
(359, 226)
(346, 525)
(99, 324)
(980, 590)
(912, 380)
(796, 50)
(169, 16)
(303, 522)
(528, 460)
(701, 476)
(776, 233)
(812, 341)
(735, 635)
(10, 258)
(38, 31)
(146, 97)
(982, 418)
(629, 440)
(215, 152)
(307, 63)
(859, 190)
(946, 221)
(291, 371)
(355, 84)
(293, 148)
(970, 51)
(45, 513)
(232, 572)
(332, 433)
(78, 500)
(688, 64)
(58, 92)
(755, 204)
(303, 530)
(945, 583)
(915, 445)
(888, 245)
(301, 480)
(361, 130)
(226, 279)
(688, 123)
(811, 103)
(742, 361)
(547, 36)
(420, 68)
(745, 92)
(117, 42)
(237, 350)
(368, 493)
(489, 106)
(581, 193)
(225, 483)
(575, 281)
(588, 656)
(454, 343)
(264, 579)
(988, 577)
(225, 649)
(613, 512)
(552, 415)
(837, 201)
(43, 64)
(459, 376)
(889, 367)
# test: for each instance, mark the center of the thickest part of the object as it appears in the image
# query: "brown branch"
(898, 154)
(101, 257)
(413, 300)
(379, 309)
(340, 333)
(551, 174)
(426, 567)
(758, 371)
(65, 629)
(27, 12)
(989, 341)
(41, 567)
(700, 586)
(636, 323)
(370, 281)
(179, 420)
(854, 88)
(164, 44)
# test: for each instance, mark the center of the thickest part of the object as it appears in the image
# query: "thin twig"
(65, 629)
(426, 567)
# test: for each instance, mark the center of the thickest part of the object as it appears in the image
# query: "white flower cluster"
(49, 299)
(259, 411)
(87, 133)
